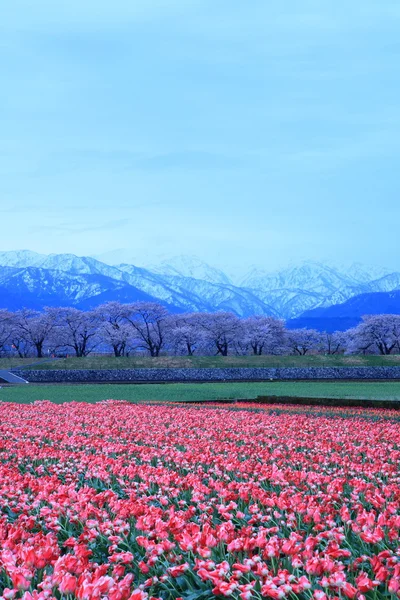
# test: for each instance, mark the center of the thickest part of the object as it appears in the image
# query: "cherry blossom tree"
(5, 329)
(17, 342)
(185, 334)
(148, 321)
(76, 329)
(334, 343)
(114, 331)
(148, 327)
(302, 341)
(265, 335)
(221, 330)
(241, 344)
(34, 328)
(376, 333)
(118, 338)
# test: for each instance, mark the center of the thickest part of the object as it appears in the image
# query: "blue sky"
(242, 132)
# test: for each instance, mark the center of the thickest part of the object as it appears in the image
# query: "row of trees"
(144, 327)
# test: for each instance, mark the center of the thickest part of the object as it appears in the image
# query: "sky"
(245, 133)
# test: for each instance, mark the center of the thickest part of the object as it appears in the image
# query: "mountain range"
(303, 293)
(348, 314)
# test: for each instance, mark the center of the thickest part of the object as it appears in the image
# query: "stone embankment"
(207, 375)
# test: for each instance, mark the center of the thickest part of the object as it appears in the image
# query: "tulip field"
(124, 501)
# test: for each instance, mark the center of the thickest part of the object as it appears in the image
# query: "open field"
(111, 362)
(190, 392)
(131, 502)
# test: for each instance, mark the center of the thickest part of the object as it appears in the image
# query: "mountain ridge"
(85, 282)
(341, 317)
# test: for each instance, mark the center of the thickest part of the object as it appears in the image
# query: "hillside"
(348, 314)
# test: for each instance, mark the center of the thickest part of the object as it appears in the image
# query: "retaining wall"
(181, 375)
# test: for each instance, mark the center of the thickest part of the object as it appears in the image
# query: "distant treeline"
(148, 328)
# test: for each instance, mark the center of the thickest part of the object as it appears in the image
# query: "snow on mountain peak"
(363, 274)
(21, 258)
(307, 275)
(190, 266)
(191, 284)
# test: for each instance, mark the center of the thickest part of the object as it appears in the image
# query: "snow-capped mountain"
(190, 266)
(34, 287)
(21, 258)
(84, 282)
(182, 284)
(192, 294)
(362, 274)
(299, 288)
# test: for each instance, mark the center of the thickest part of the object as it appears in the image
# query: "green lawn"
(197, 392)
(111, 362)
(10, 363)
